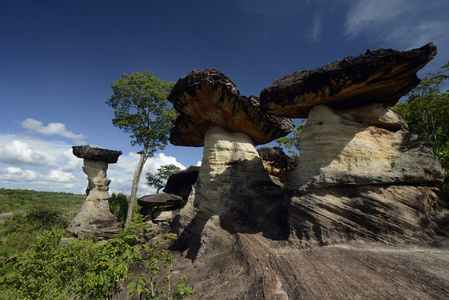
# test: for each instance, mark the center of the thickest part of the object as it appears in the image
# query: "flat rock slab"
(88, 152)
(381, 76)
(159, 199)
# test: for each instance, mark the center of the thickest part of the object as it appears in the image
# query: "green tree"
(291, 143)
(426, 111)
(159, 179)
(141, 108)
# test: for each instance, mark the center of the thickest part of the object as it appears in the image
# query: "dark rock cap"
(209, 98)
(86, 151)
(159, 199)
(381, 76)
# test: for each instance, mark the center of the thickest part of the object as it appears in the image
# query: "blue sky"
(58, 58)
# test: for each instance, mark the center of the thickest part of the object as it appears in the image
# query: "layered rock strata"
(362, 174)
(233, 193)
(94, 218)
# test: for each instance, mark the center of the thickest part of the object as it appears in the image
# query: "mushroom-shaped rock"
(380, 76)
(209, 98)
(88, 152)
(150, 201)
(94, 217)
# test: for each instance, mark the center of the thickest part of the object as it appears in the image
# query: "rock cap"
(382, 76)
(86, 151)
(209, 98)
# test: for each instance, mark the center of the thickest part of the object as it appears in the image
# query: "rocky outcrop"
(181, 183)
(149, 202)
(208, 98)
(233, 193)
(381, 76)
(277, 163)
(94, 218)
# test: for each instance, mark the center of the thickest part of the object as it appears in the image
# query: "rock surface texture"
(355, 220)
(181, 183)
(277, 163)
(209, 98)
(233, 193)
(94, 218)
(382, 76)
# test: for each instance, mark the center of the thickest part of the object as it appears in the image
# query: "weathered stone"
(234, 188)
(209, 98)
(181, 183)
(149, 201)
(377, 76)
(86, 151)
(277, 163)
(345, 147)
(362, 175)
(94, 218)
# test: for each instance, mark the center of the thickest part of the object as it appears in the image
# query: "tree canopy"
(141, 109)
(426, 111)
(159, 179)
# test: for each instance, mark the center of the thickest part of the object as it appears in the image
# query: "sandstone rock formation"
(209, 98)
(381, 76)
(150, 201)
(233, 187)
(363, 191)
(277, 163)
(361, 173)
(94, 218)
(181, 183)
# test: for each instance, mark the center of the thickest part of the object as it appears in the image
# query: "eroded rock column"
(94, 218)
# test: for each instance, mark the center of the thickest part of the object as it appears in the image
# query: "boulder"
(277, 163)
(208, 98)
(381, 76)
(233, 193)
(181, 183)
(94, 218)
(362, 175)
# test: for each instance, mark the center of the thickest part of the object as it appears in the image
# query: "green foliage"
(159, 179)
(141, 108)
(291, 142)
(426, 111)
(87, 269)
(15, 200)
(118, 205)
(157, 260)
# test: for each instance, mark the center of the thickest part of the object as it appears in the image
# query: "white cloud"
(18, 152)
(401, 24)
(52, 129)
(315, 33)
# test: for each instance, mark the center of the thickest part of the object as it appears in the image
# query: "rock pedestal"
(233, 193)
(94, 218)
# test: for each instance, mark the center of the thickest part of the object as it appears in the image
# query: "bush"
(118, 205)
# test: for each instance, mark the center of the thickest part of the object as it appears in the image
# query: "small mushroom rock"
(381, 76)
(94, 218)
(209, 98)
(148, 202)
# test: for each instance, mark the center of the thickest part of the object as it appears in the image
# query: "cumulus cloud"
(52, 129)
(17, 174)
(18, 152)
